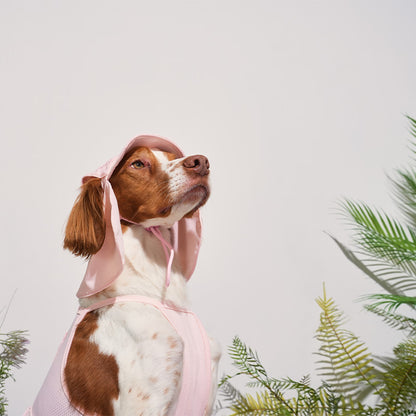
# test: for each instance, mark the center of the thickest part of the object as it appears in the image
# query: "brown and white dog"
(126, 359)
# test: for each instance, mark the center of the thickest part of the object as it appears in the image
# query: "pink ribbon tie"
(169, 257)
(107, 264)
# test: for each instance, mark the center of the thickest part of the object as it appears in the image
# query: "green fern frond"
(248, 362)
(399, 378)
(307, 399)
(286, 397)
(13, 349)
(229, 392)
(246, 359)
(304, 392)
(346, 363)
(302, 387)
(262, 403)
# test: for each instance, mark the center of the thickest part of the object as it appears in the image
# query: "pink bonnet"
(106, 265)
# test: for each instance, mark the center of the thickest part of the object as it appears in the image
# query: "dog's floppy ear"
(85, 230)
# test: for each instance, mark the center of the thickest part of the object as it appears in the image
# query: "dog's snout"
(198, 164)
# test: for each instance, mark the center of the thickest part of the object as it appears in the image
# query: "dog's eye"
(138, 164)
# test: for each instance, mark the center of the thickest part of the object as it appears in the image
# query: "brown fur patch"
(85, 230)
(91, 377)
(172, 342)
(153, 380)
(143, 192)
(170, 156)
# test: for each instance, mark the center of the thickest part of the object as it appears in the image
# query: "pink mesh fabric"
(193, 399)
(51, 399)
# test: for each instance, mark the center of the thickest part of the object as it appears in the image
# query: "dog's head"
(152, 188)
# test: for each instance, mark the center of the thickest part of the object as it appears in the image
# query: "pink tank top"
(52, 399)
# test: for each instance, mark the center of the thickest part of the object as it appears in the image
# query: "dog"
(135, 348)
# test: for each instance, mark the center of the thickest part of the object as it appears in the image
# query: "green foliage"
(276, 396)
(395, 320)
(345, 361)
(385, 250)
(350, 374)
(285, 397)
(12, 352)
(381, 236)
(398, 378)
(391, 302)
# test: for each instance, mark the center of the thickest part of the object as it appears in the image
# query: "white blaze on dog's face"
(153, 188)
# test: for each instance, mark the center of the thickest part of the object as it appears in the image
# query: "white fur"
(179, 182)
(147, 349)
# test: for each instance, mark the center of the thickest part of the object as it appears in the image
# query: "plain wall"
(296, 103)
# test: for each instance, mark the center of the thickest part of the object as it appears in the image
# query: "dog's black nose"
(198, 164)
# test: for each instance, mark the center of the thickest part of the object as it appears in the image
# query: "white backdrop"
(296, 104)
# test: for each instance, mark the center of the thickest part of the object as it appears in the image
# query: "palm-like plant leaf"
(394, 320)
(391, 302)
(404, 191)
(345, 361)
(412, 130)
(390, 277)
(381, 236)
(395, 276)
(404, 186)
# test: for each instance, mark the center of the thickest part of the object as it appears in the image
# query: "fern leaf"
(346, 363)
(12, 355)
(248, 362)
(399, 378)
(262, 403)
(229, 392)
(246, 359)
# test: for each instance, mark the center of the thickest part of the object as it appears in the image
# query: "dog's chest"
(128, 329)
(157, 348)
(148, 352)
